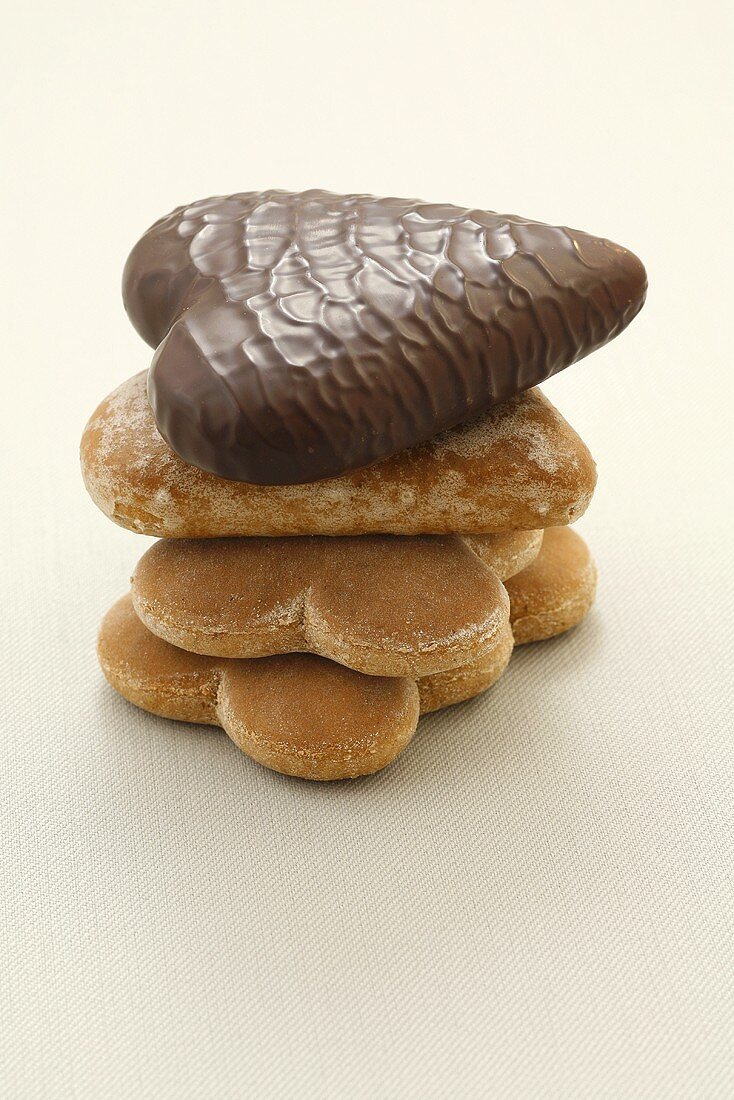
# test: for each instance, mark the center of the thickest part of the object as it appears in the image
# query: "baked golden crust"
(519, 467)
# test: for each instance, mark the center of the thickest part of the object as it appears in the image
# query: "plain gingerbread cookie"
(518, 467)
(296, 713)
(384, 605)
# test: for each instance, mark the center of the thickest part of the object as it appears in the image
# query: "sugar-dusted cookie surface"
(555, 591)
(385, 605)
(297, 713)
(520, 466)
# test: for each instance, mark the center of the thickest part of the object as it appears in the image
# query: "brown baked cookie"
(518, 467)
(384, 605)
(506, 552)
(296, 713)
(556, 591)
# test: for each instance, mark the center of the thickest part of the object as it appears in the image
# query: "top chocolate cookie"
(300, 336)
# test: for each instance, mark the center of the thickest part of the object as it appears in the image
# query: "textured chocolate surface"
(300, 336)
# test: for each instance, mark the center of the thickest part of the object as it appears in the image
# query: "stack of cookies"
(361, 500)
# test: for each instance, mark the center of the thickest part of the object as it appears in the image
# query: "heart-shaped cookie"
(302, 335)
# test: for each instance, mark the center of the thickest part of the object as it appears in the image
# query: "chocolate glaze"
(300, 336)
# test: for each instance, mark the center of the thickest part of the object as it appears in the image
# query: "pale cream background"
(536, 900)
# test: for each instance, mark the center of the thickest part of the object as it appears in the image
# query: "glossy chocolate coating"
(300, 336)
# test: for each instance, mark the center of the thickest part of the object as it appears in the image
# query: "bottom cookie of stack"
(295, 713)
(305, 715)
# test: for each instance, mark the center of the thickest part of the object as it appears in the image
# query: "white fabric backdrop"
(536, 899)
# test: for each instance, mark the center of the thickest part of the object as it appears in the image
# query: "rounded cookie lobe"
(226, 597)
(306, 716)
(153, 674)
(556, 591)
(405, 606)
(303, 335)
